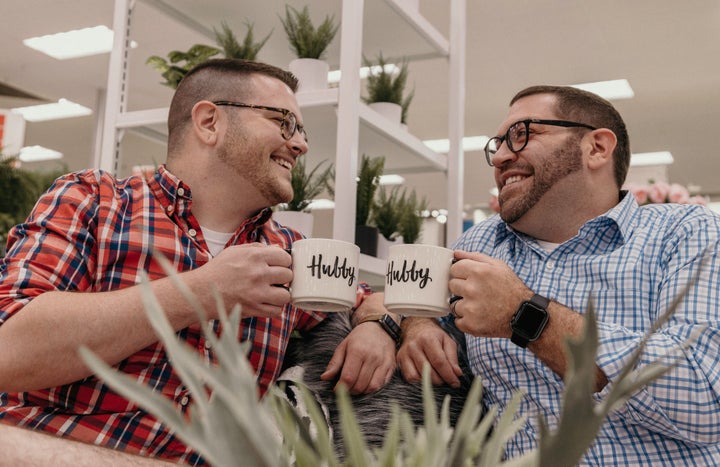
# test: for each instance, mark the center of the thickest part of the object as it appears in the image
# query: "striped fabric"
(631, 262)
(91, 232)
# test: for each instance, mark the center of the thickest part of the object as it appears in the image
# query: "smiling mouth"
(514, 179)
(282, 162)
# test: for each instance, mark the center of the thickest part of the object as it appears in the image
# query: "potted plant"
(309, 44)
(178, 63)
(366, 236)
(248, 50)
(306, 186)
(387, 214)
(385, 89)
(411, 219)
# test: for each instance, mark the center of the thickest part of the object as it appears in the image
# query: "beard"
(567, 160)
(255, 167)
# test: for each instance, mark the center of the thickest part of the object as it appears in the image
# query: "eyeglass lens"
(289, 125)
(515, 138)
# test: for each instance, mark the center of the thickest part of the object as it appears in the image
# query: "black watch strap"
(386, 322)
(521, 339)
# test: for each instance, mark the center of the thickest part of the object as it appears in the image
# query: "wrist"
(386, 321)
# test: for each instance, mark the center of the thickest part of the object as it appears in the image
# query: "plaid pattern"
(91, 232)
(631, 262)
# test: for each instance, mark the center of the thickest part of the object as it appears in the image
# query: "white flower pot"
(384, 245)
(300, 221)
(389, 110)
(311, 73)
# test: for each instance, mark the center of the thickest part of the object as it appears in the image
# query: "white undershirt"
(216, 241)
(547, 246)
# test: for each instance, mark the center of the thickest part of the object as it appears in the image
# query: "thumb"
(336, 363)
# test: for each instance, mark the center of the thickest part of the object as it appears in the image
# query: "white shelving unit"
(349, 127)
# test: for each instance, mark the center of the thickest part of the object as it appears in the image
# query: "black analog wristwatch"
(529, 320)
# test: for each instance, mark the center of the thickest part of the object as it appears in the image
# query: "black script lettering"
(334, 269)
(405, 274)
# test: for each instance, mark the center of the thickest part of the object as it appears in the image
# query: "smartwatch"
(387, 323)
(529, 320)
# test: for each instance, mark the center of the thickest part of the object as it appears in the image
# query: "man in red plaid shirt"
(71, 274)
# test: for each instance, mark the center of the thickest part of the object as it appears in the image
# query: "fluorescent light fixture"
(613, 89)
(469, 143)
(61, 109)
(76, 43)
(38, 153)
(651, 158)
(390, 68)
(391, 179)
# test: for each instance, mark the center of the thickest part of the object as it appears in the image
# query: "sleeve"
(53, 248)
(684, 403)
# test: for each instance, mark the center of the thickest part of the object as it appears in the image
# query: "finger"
(335, 364)
(441, 363)
(357, 381)
(409, 370)
(450, 349)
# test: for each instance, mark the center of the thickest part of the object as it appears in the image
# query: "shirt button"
(170, 209)
(550, 265)
(208, 345)
(184, 401)
(192, 232)
(181, 191)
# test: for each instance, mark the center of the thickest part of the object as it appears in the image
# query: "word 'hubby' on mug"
(405, 274)
(319, 269)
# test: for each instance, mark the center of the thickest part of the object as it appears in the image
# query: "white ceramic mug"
(325, 274)
(416, 282)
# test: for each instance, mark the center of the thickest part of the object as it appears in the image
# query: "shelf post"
(456, 122)
(348, 130)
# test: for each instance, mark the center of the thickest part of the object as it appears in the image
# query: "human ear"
(602, 143)
(205, 122)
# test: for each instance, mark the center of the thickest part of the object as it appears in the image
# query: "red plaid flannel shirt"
(92, 232)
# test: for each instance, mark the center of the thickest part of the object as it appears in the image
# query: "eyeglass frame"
(506, 137)
(285, 113)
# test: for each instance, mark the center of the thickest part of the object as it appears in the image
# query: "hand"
(491, 293)
(423, 341)
(366, 357)
(250, 275)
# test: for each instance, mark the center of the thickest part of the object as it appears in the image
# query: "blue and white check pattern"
(631, 261)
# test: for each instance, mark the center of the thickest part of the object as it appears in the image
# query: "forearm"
(40, 342)
(550, 347)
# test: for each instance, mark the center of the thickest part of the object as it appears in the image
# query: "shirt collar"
(621, 217)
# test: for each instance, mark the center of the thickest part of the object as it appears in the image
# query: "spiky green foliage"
(307, 186)
(411, 220)
(227, 40)
(228, 425)
(384, 86)
(367, 183)
(388, 210)
(178, 63)
(305, 40)
(19, 191)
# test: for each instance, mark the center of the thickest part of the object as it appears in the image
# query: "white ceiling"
(668, 50)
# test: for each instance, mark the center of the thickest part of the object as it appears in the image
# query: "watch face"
(530, 320)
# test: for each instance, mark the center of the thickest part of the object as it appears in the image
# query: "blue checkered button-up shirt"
(631, 261)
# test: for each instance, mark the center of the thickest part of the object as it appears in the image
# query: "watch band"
(386, 322)
(522, 340)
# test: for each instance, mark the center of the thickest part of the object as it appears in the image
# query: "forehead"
(535, 106)
(272, 92)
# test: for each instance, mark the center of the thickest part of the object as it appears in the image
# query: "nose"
(297, 144)
(503, 155)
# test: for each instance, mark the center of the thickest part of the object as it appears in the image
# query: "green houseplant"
(368, 180)
(178, 63)
(385, 89)
(309, 45)
(411, 219)
(387, 213)
(306, 187)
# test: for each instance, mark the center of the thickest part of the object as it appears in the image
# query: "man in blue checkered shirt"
(567, 234)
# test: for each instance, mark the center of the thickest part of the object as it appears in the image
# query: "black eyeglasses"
(516, 136)
(289, 123)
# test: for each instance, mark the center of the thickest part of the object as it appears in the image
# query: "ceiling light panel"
(76, 43)
(60, 109)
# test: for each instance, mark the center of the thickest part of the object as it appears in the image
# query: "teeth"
(283, 163)
(514, 179)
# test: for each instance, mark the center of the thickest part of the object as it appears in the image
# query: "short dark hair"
(216, 79)
(585, 107)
